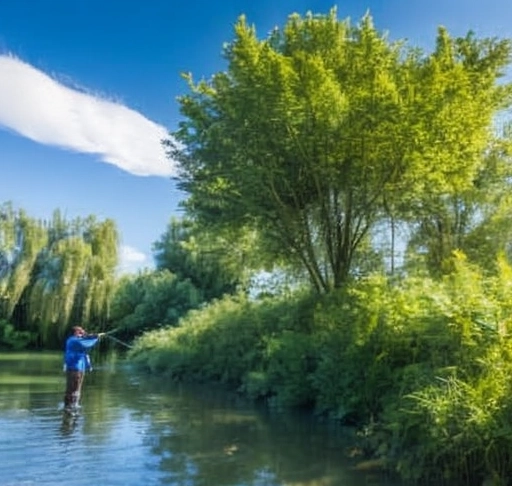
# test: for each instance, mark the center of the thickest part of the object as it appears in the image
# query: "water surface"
(134, 430)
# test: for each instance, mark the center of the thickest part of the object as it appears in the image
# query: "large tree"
(316, 133)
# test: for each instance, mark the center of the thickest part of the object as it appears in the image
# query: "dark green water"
(133, 430)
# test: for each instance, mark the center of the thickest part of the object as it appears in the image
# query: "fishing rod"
(108, 335)
(118, 341)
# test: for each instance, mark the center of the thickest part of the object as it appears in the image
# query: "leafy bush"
(12, 339)
(151, 300)
(453, 430)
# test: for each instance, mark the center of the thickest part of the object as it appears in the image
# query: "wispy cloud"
(42, 109)
(132, 260)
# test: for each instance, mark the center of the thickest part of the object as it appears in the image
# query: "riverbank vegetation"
(345, 245)
(421, 366)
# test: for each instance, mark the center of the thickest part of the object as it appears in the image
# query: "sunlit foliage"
(325, 129)
(419, 363)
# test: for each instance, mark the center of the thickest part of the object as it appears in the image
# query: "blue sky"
(88, 88)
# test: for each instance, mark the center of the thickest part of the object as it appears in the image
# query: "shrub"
(12, 339)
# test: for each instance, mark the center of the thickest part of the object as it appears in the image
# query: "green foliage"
(289, 362)
(13, 340)
(459, 431)
(422, 366)
(151, 300)
(456, 425)
(21, 239)
(55, 272)
(491, 236)
(208, 260)
(255, 346)
(317, 134)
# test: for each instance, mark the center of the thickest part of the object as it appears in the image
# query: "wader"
(74, 381)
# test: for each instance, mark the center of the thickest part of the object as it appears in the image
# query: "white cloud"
(132, 260)
(38, 107)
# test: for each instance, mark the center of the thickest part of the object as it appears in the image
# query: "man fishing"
(76, 363)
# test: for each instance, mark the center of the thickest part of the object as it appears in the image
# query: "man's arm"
(90, 340)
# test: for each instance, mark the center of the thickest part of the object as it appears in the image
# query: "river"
(135, 430)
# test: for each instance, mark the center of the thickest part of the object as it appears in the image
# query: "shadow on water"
(135, 430)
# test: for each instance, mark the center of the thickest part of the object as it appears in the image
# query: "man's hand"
(101, 334)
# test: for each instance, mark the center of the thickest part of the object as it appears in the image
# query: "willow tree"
(53, 296)
(75, 277)
(99, 280)
(311, 135)
(21, 240)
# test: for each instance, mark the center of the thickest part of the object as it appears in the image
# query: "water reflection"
(68, 424)
(135, 430)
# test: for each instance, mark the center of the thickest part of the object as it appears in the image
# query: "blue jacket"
(76, 357)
